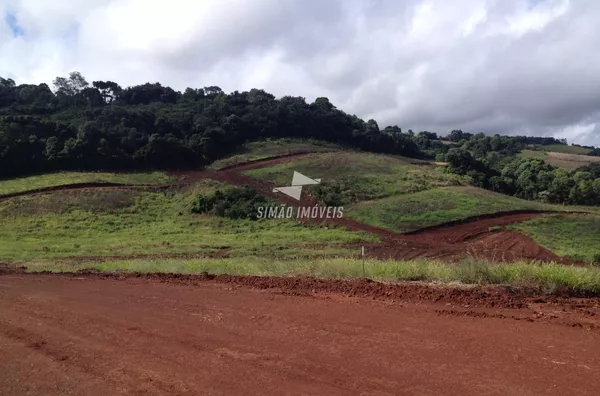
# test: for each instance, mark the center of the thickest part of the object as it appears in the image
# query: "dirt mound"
(8, 269)
(474, 296)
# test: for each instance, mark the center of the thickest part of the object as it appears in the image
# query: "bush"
(329, 193)
(233, 203)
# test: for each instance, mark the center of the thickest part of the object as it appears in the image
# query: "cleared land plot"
(577, 236)
(541, 155)
(62, 178)
(94, 223)
(439, 205)
(362, 176)
(271, 148)
(561, 160)
(570, 161)
(563, 148)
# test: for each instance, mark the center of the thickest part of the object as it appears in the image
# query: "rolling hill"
(383, 196)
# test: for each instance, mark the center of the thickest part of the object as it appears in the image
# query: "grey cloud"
(408, 63)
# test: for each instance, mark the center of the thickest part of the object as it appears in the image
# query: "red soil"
(176, 335)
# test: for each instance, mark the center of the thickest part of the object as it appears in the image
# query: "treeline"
(491, 164)
(104, 126)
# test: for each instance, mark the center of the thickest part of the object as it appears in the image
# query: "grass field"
(436, 206)
(570, 161)
(101, 222)
(363, 176)
(548, 277)
(577, 237)
(563, 148)
(561, 160)
(62, 178)
(271, 148)
(541, 155)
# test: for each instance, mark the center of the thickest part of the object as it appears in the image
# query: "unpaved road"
(90, 336)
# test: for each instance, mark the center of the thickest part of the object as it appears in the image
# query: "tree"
(108, 90)
(70, 86)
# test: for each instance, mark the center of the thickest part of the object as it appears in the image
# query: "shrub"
(329, 193)
(233, 203)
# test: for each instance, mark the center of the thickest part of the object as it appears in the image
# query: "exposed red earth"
(89, 334)
(450, 242)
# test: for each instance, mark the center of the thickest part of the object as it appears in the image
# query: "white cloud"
(499, 66)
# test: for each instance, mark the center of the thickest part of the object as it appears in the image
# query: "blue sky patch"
(533, 3)
(13, 24)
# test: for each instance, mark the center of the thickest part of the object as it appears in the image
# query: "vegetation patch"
(570, 161)
(533, 154)
(272, 148)
(547, 277)
(42, 228)
(565, 148)
(93, 201)
(62, 178)
(233, 203)
(577, 237)
(352, 177)
(436, 206)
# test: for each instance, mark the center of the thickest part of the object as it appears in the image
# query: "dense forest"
(102, 126)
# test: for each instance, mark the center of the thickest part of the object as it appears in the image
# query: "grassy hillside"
(436, 206)
(62, 178)
(573, 236)
(541, 155)
(561, 160)
(271, 148)
(563, 148)
(96, 222)
(400, 194)
(363, 176)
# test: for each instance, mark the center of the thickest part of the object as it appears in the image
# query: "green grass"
(363, 176)
(565, 160)
(436, 206)
(62, 178)
(270, 148)
(563, 148)
(549, 277)
(576, 236)
(111, 222)
(533, 154)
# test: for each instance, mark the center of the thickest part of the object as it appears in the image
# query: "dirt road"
(90, 336)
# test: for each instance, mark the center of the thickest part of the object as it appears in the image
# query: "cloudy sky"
(497, 66)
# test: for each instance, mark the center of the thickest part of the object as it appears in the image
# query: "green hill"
(396, 193)
(11, 186)
(88, 223)
(577, 237)
(253, 151)
(362, 176)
